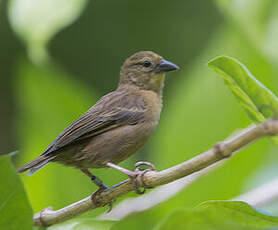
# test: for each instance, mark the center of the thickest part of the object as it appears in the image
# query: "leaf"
(37, 21)
(220, 215)
(83, 224)
(15, 210)
(258, 101)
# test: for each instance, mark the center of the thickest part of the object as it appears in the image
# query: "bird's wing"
(113, 110)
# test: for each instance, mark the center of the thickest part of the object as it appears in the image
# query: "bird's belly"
(113, 146)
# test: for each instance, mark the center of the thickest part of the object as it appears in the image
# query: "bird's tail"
(35, 164)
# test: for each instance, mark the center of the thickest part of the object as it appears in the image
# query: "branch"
(154, 197)
(260, 197)
(152, 179)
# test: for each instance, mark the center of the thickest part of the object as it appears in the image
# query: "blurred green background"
(58, 57)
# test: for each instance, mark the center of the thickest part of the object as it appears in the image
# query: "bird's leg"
(101, 186)
(133, 175)
(121, 169)
(98, 182)
(130, 174)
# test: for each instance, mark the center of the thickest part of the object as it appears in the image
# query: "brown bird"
(117, 125)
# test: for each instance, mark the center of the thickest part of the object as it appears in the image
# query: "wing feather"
(113, 110)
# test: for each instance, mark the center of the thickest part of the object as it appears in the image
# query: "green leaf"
(83, 224)
(37, 21)
(258, 101)
(220, 215)
(15, 210)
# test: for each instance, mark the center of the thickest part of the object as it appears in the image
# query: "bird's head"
(146, 70)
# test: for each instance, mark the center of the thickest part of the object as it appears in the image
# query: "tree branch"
(151, 179)
(154, 197)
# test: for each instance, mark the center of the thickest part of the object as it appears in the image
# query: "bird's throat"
(157, 83)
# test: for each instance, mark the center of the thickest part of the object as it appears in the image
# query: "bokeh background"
(58, 57)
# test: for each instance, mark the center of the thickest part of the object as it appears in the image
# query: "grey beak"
(166, 66)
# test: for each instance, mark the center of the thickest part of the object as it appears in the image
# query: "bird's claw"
(144, 163)
(95, 195)
(136, 188)
(140, 172)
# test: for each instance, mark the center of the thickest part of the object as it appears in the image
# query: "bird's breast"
(154, 106)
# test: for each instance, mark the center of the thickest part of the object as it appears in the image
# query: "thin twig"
(151, 179)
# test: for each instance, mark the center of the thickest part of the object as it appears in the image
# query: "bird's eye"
(147, 64)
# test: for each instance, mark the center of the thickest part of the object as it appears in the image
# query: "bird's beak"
(166, 66)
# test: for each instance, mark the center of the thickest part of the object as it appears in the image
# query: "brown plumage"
(118, 124)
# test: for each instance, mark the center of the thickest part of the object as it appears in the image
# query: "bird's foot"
(137, 173)
(95, 195)
(144, 163)
(101, 187)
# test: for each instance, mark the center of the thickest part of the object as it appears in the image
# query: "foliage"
(220, 215)
(258, 102)
(15, 210)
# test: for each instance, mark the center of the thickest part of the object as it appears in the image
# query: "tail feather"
(35, 164)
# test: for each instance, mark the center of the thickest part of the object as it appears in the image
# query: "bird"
(117, 126)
